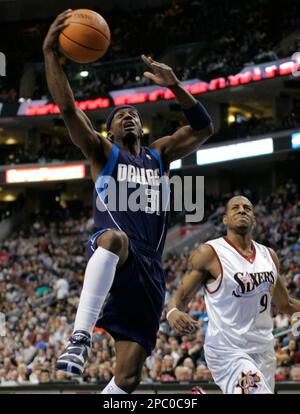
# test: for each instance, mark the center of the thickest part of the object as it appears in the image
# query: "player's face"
(126, 125)
(239, 215)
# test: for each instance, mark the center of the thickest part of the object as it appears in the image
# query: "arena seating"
(41, 272)
(226, 44)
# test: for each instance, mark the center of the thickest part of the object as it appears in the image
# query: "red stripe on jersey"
(221, 267)
(250, 258)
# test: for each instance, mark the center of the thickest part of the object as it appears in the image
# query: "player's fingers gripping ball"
(86, 37)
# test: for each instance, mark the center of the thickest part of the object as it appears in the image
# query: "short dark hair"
(45, 370)
(117, 109)
(239, 195)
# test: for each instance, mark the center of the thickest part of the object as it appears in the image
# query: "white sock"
(99, 276)
(112, 388)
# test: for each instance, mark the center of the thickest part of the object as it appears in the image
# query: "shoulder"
(272, 253)
(216, 244)
(202, 256)
(102, 139)
(263, 248)
(156, 152)
(159, 144)
(104, 143)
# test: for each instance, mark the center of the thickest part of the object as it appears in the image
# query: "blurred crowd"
(244, 128)
(53, 148)
(231, 34)
(41, 273)
(220, 38)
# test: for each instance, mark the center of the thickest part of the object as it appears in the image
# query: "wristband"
(170, 311)
(197, 117)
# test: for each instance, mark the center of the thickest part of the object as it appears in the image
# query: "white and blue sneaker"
(74, 357)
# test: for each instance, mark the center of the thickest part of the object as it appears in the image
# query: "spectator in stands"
(61, 288)
(296, 281)
(45, 376)
(249, 42)
(37, 330)
(22, 373)
(295, 373)
(202, 374)
(293, 352)
(183, 374)
(282, 321)
(167, 369)
(59, 376)
(175, 350)
(35, 373)
(281, 374)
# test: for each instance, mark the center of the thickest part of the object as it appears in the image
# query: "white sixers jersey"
(238, 303)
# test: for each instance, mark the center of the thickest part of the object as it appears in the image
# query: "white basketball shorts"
(237, 372)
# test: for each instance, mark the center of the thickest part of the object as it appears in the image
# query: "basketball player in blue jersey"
(124, 278)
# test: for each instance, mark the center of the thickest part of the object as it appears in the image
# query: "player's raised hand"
(54, 30)
(182, 323)
(161, 74)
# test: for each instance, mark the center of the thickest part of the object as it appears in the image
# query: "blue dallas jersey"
(131, 173)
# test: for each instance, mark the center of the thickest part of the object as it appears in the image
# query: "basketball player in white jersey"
(240, 278)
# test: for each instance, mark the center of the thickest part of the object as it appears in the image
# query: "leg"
(130, 360)
(248, 379)
(266, 362)
(236, 372)
(99, 276)
(112, 252)
(116, 242)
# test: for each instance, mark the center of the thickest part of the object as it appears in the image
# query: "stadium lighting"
(139, 95)
(235, 151)
(10, 141)
(44, 174)
(8, 198)
(175, 165)
(231, 119)
(295, 140)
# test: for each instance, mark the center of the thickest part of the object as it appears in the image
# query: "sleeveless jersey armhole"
(157, 156)
(214, 286)
(110, 164)
(273, 261)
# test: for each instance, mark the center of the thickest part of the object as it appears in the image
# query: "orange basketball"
(86, 38)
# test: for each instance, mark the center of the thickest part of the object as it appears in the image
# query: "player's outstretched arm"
(188, 138)
(198, 270)
(281, 298)
(79, 125)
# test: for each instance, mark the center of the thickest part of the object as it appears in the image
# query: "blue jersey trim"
(158, 157)
(101, 183)
(111, 163)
